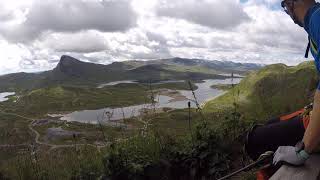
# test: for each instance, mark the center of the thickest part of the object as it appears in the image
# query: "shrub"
(157, 156)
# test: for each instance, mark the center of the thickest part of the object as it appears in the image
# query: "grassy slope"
(271, 91)
(196, 65)
(158, 72)
(60, 163)
(19, 81)
(223, 87)
(64, 98)
(88, 133)
(194, 69)
(70, 71)
(38, 103)
(14, 130)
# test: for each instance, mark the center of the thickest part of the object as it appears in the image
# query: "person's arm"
(294, 155)
(312, 135)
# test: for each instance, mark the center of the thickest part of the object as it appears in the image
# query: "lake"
(4, 95)
(203, 94)
(116, 83)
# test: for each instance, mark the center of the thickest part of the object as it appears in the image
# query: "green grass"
(170, 127)
(63, 163)
(223, 87)
(174, 122)
(14, 130)
(193, 69)
(86, 133)
(38, 102)
(271, 91)
(65, 98)
(274, 90)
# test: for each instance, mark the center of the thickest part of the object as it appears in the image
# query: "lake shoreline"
(165, 98)
(4, 96)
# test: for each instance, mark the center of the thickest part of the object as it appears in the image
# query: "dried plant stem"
(189, 120)
(199, 109)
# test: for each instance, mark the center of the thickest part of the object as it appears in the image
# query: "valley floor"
(23, 130)
(191, 143)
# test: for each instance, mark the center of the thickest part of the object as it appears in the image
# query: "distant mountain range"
(71, 71)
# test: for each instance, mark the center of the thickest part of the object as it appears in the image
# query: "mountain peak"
(66, 60)
(69, 65)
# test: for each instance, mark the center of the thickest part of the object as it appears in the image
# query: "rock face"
(310, 171)
(70, 66)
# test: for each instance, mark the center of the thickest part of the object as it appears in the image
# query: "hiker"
(295, 136)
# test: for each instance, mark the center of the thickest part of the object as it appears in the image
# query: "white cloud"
(14, 58)
(81, 42)
(256, 31)
(71, 16)
(10, 61)
(214, 13)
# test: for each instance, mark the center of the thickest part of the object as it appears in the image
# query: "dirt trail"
(37, 141)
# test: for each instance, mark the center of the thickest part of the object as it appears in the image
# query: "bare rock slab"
(310, 171)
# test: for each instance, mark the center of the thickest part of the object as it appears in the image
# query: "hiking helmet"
(288, 7)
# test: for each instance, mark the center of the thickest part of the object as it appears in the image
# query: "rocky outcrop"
(310, 171)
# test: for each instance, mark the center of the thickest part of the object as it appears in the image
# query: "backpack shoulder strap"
(308, 49)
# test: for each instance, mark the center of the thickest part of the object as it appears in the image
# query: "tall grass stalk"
(101, 129)
(199, 109)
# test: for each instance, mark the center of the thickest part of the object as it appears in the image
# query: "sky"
(35, 33)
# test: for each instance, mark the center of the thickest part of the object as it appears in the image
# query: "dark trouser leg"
(272, 135)
(274, 120)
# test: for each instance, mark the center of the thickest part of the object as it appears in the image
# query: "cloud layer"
(35, 33)
(81, 42)
(214, 13)
(71, 16)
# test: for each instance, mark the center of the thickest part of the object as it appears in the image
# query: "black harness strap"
(314, 45)
(307, 50)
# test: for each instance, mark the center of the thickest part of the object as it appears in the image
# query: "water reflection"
(4, 96)
(116, 83)
(203, 94)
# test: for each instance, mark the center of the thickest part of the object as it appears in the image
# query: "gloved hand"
(288, 155)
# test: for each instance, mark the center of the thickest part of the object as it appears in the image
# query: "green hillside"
(173, 144)
(70, 71)
(71, 98)
(271, 91)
